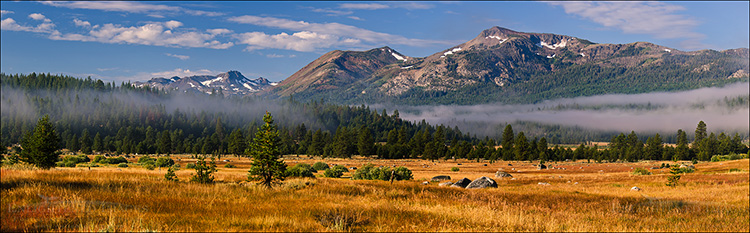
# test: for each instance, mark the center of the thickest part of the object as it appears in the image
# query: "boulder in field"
(482, 182)
(502, 174)
(447, 183)
(541, 166)
(462, 183)
(440, 178)
(635, 188)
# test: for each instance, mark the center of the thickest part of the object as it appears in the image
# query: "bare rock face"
(482, 182)
(462, 183)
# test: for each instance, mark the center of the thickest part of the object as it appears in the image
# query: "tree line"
(328, 130)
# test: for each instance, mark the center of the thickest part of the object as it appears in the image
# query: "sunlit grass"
(581, 197)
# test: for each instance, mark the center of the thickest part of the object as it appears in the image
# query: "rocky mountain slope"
(229, 83)
(502, 65)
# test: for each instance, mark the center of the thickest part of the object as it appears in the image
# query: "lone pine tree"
(265, 150)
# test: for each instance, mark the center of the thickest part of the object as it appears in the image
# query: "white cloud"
(378, 6)
(183, 73)
(10, 24)
(130, 7)
(273, 55)
(363, 6)
(157, 34)
(304, 41)
(37, 16)
(181, 57)
(173, 24)
(327, 35)
(218, 31)
(4, 12)
(355, 18)
(653, 18)
(81, 23)
(330, 12)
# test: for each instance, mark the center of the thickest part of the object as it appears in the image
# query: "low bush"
(320, 166)
(641, 171)
(730, 156)
(300, 170)
(370, 172)
(190, 166)
(170, 176)
(229, 165)
(116, 160)
(149, 166)
(122, 165)
(335, 172)
(454, 169)
(164, 162)
(99, 159)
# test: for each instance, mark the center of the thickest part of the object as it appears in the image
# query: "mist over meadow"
(721, 108)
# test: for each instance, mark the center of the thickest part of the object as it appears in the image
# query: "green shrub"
(116, 160)
(146, 159)
(149, 166)
(204, 172)
(454, 169)
(300, 170)
(335, 172)
(190, 166)
(164, 162)
(71, 161)
(320, 166)
(122, 165)
(641, 171)
(170, 176)
(99, 159)
(229, 165)
(370, 172)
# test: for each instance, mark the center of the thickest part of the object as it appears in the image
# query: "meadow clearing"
(581, 196)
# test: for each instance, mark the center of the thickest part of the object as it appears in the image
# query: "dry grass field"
(580, 197)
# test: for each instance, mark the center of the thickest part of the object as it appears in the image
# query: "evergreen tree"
(164, 145)
(40, 146)
(365, 145)
(542, 149)
(682, 151)
(267, 165)
(521, 147)
(98, 145)
(237, 143)
(508, 143)
(654, 147)
(85, 142)
(700, 132)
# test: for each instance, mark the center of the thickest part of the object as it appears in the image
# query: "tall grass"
(136, 199)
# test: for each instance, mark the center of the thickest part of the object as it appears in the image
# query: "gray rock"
(440, 178)
(448, 183)
(426, 183)
(482, 182)
(501, 174)
(541, 166)
(687, 166)
(635, 188)
(543, 183)
(462, 183)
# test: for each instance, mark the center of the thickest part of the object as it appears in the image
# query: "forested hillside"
(96, 117)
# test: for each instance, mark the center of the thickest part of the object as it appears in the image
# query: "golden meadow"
(580, 196)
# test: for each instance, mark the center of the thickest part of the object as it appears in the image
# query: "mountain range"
(229, 83)
(499, 65)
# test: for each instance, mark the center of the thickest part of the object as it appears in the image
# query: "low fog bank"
(650, 112)
(83, 103)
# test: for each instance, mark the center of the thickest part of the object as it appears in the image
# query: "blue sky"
(121, 41)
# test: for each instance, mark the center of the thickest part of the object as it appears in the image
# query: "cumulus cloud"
(363, 6)
(183, 73)
(11, 25)
(81, 23)
(311, 36)
(4, 12)
(37, 16)
(219, 31)
(653, 18)
(131, 7)
(156, 34)
(181, 57)
(378, 6)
